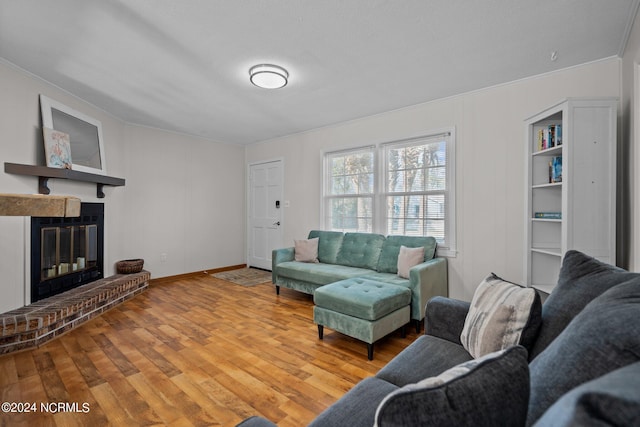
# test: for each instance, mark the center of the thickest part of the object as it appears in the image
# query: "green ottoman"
(363, 309)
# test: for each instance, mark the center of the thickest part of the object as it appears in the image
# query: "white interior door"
(265, 212)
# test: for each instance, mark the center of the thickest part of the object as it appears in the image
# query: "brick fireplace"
(67, 283)
(37, 323)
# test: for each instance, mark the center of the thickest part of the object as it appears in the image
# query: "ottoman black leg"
(417, 326)
(320, 331)
(370, 351)
(403, 331)
(277, 290)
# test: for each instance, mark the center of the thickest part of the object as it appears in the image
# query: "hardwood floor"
(194, 352)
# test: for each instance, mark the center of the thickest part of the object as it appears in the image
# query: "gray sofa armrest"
(278, 256)
(445, 318)
(428, 279)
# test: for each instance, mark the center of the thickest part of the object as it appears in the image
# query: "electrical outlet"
(163, 257)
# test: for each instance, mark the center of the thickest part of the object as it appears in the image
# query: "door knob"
(276, 223)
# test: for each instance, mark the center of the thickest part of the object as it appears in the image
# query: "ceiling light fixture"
(268, 76)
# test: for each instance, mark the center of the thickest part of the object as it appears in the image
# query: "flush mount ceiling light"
(268, 76)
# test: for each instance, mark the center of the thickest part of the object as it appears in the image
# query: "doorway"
(265, 212)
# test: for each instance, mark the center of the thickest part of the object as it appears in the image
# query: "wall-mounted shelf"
(44, 173)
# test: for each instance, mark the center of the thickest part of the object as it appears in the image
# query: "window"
(349, 195)
(415, 195)
(416, 191)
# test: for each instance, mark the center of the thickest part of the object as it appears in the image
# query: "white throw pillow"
(407, 258)
(306, 250)
(498, 314)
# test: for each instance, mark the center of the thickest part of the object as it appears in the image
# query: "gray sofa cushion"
(388, 262)
(445, 318)
(360, 250)
(357, 408)
(610, 400)
(581, 279)
(328, 245)
(256, 421)
(490, 391)
(428, 356)
(603, 337)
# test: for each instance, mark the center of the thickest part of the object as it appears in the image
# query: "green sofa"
(372, 256)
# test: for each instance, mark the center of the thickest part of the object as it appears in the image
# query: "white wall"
(186, 197)
(183, 196)
(490, 155)
(22, 143)
(629, 160)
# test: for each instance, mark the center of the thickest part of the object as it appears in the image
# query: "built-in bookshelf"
(570, 186)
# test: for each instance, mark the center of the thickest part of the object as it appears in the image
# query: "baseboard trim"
(168, 279)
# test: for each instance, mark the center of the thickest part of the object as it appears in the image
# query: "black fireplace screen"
(67, 249)
(66, 252)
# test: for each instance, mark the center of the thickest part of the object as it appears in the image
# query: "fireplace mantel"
(44, 173)
(39, 205)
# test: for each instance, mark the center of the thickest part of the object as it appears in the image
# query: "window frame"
(326, 185)
(379, 218)
(448, 248)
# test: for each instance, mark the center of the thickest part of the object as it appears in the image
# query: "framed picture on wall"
(57, 148)
(85, 135)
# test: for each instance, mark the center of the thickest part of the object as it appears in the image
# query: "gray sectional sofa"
(372, 256)
(577, 364)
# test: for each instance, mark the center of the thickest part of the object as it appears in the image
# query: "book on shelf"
(548, 215)
(557, 134)
(555, 170)
(541, 140)
(549, 137)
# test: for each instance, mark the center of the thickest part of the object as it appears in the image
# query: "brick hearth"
(35, 324)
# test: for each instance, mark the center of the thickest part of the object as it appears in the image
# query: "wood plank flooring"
(193, 352)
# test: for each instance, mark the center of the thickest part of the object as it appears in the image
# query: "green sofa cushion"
(328, 245)
(362, 298)
(319, 274)
(392, 279)
(388, 262)
(361, 250)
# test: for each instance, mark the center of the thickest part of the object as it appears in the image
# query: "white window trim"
(379, 216)
(325, 181)
(450, 216)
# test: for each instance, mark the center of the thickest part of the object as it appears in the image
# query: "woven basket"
(129, 266)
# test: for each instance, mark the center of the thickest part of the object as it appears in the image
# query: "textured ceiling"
(183, 65)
